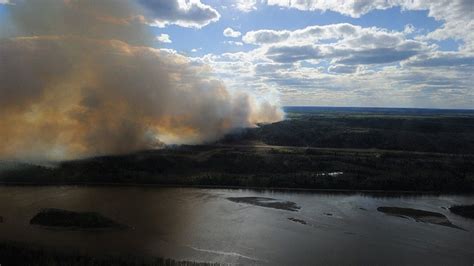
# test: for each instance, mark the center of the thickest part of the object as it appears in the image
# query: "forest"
(311, 149)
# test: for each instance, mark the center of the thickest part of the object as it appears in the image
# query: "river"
(204, 225)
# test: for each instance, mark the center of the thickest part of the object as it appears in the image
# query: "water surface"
(203, 225)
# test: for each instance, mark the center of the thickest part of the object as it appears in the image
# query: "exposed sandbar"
(63, 219)
(267, 202)
(419, 215)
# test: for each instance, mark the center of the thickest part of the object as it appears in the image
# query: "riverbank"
(21, 254)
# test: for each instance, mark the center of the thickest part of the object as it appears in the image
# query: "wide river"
(203, 225)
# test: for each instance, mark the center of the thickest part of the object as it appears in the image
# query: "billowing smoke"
(80, 78)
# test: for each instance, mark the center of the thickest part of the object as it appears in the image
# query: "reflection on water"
(203, 225)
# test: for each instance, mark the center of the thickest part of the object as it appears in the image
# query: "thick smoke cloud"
(80, 79)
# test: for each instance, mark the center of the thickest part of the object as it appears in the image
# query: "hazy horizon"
(376, 107)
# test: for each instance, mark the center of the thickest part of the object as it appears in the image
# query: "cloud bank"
(353, 65)
(350, 65)
(456, 14)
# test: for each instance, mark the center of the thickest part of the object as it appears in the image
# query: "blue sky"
(211, 39)
(399, 53)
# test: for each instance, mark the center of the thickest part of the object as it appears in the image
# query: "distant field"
(314, 148)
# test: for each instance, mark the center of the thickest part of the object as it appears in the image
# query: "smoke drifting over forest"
(80, 78)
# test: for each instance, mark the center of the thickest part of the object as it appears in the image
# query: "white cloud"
(233, 43)
(190, 13)
(352, 34)
(293, 53)
(246, 5)
(456, 14)
(231, 33)
(354, 8)
(442, 59)
(342, 43)
(409, 28)
(265, 36)
(163, 38)
(344, 69)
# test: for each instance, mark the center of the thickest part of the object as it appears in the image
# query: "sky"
(381, 53)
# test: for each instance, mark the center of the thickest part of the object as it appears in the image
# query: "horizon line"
(381, 107)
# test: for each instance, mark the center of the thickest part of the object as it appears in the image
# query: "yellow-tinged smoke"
(78, 78)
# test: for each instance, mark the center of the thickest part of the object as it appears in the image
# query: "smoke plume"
(80, 78)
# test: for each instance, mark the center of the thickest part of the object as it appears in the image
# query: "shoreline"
(310, 190)
(24, 253)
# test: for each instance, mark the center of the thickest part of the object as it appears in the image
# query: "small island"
(419, 215)
(296, 220)
(466, 211)
(267, 202)
(57, 218)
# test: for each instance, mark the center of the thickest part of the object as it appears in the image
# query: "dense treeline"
(440, 133)
(264, 167)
